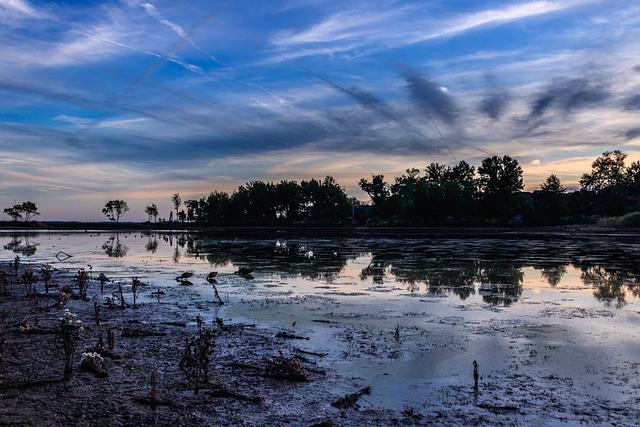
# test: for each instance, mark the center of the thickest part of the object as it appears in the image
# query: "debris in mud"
(284, 368)
(284, 334)
(28, 328)
(219, 390)
(135, 332)
(351, 400)
(93, 362)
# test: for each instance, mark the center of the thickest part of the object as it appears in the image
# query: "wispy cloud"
(13, 12)
(471, 21)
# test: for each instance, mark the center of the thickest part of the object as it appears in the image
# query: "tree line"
(489, 194)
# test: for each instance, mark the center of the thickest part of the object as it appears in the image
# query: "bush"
(631, 220)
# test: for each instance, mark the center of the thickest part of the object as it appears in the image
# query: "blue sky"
(138, 100)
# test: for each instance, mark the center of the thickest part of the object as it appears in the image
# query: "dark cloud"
(430, 98)
(494, 105)
(632, 103)
(372, 103)
(568, 95)
(632, 133)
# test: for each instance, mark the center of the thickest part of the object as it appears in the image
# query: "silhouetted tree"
(152, 212)
(500, 181)
(551, 201)
(114, 209)
(217, 207)
(29, 210)
(324, 200)
(288, 201)
(26, 209)
(379, 192)
(614, 185)
(192, 209)
(14, 212)
(177, 202)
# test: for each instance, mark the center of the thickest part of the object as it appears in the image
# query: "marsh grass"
(630, 220)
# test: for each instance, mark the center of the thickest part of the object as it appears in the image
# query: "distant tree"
(152, 212)
(616, 187)
(607, 171)
(324, 200)
(379, 192)
(182, 216)
(29, 210)
(192, 206)
(451, 190)
(114, 209)
(14, 212)
(500, 180)
(551, 201)
(216, 208)
(177, 202)
(409, 194)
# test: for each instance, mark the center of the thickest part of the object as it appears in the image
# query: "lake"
(553, 322)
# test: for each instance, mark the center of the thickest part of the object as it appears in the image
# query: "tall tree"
(500, 180)
(379, 192)
(114, 209)
(551, 201)
(29, 209)
(177, 202)
(152, 212)
(14, 212)
(614, 185)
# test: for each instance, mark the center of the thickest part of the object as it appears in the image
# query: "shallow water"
(601, 272)
(541, 309)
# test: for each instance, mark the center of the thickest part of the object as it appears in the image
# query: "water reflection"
(114, 248)
(553, 274)
(21, 245)
(490, 269)
(610, 285)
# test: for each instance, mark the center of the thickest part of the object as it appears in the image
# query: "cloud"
(568, 95)
(13, 12)
(632, 103)
(482, 18)
(632, 133)
(381, 28)
(494, 105)
(430, 98)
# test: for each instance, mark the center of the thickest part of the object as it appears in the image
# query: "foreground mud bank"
(306, 361)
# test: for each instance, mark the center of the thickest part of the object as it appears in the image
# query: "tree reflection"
(17, 246)
(553, 274)
(152, 243)
(610, 284)
(376, 270)
(500, 284)
(114, 248)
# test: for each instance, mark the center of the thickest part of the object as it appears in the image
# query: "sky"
(134, 100)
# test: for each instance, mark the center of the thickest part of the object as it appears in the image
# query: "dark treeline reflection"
(491, 268)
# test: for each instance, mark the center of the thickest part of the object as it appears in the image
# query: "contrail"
(153, 12)
(369, 101)
(190, 67)
(627, 67)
